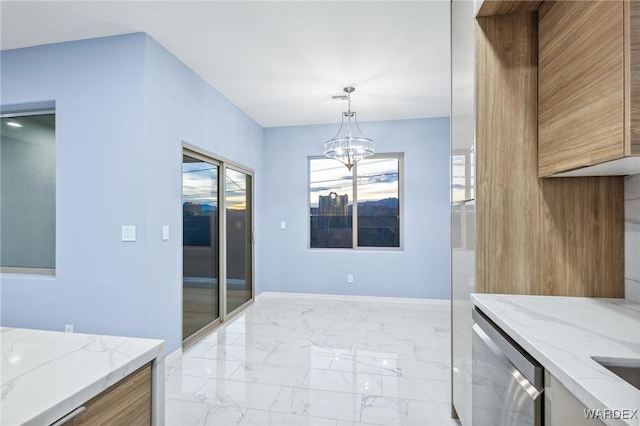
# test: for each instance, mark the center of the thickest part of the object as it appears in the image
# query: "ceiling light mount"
(345, 146)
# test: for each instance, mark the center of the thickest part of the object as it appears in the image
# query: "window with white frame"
(27, 192)
(355, 208)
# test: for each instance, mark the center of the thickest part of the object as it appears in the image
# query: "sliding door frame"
(207, 328)
(223, 164)
(250, 202)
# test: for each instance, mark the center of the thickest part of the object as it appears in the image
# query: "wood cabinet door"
(561, 236)
(126, 403)
(581, 99)
(632, 76)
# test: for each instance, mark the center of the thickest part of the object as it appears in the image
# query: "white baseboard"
(405, 300)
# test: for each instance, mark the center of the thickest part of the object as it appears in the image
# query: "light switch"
(283, 224)
(165, 232)
(128, 233)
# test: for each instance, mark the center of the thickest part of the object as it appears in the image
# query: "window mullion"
(354, 209)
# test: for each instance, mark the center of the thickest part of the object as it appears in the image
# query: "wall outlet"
(68, 328)
(350, 278)
(128, 233)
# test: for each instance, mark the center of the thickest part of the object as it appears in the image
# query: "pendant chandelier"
(346, 146)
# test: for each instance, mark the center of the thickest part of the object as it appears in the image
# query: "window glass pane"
(378, 202)
(330, 200)
(458, 177)
(200, 247)
(238, 205)
(472, 181)
(27, 191)
(456, 226)
(470, 225)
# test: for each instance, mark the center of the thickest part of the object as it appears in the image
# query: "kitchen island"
(47, 375)
(564, 334)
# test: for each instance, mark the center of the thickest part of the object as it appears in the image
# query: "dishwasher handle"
(533, 391)
(524, 362)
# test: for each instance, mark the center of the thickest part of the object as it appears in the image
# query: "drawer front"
(126, 403)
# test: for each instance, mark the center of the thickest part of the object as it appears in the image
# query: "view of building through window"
(366, 199)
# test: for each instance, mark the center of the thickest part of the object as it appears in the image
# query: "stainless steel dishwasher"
(507, 382)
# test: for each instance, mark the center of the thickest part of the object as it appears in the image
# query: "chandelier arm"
(340, 129)
(355, 118)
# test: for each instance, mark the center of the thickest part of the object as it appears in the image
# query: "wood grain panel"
(534, 236)
(502, 7)
(126, 403)
(581, 242)
(632, 47)
(581, 84)
(505, 144)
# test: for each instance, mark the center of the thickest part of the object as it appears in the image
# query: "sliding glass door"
(217, 242)
(239, 237)
(200, 246)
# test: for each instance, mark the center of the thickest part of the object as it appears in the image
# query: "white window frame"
(400, 157)
(32, 270)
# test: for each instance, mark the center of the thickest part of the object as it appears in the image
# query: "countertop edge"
(582, 392)
(95, 388)
(152, 351)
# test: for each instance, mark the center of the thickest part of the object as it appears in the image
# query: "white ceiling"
(280, 62)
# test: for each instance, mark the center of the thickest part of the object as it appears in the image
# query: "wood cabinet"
(126, 403)
(561, 236)
(504, 7)
(589, 87)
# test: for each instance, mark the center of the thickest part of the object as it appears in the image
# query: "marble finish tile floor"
(298, 360)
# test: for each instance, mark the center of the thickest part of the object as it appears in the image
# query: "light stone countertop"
(563, 333)
(47, 374)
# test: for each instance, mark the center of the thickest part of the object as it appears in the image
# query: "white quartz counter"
(47, 374)
(563, 333)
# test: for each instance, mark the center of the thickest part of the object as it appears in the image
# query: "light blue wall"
(180, 107)
(97, 88)
(420, 270)
(124, 106)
